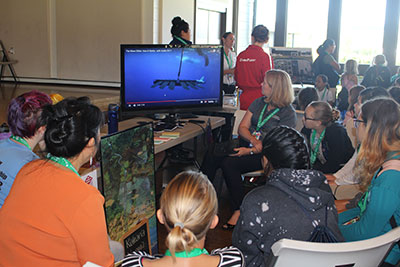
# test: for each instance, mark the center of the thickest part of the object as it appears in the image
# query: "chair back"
(365, 253)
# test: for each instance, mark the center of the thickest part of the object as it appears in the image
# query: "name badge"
(257, 135)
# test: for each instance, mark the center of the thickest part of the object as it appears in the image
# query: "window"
(361, 33)
(307, 24)
(209, 25)
(245, 24)
(266, 15)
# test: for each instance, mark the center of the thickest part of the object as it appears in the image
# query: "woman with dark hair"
(306, 96)
(292, 203)
(228, 41)
(23, 117)
(378, 168)
(251, 66)
(329, 144)
(51, 216)
(180, 32)
(326, 63)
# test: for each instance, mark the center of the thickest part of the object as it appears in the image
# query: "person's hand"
(330, 177)
(42, 145)
(241, 151)
(257, 145)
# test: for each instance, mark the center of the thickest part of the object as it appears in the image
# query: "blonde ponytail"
(189, 205)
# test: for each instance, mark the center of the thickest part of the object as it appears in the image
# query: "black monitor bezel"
(175, 109)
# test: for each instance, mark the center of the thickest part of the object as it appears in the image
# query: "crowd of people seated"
(49, 216)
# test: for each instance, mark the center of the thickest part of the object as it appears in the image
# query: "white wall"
(170, 9)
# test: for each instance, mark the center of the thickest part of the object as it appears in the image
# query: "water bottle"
(113, 118)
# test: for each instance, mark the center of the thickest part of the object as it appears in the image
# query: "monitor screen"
(128, 186)
(170, 79)
(297, 62)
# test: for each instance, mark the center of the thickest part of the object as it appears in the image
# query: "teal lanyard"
(323, 95)
(362, 203)
(227, 60)
(314, 151)
(193, 253)
(62, 161)
(261, 122)
(180, 39)
(20, 140)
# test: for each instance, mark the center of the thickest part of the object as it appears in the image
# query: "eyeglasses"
(311, 119)
(357, 122)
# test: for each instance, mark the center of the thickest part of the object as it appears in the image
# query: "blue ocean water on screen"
(144, 66)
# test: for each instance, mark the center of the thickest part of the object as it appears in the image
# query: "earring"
(91, 161)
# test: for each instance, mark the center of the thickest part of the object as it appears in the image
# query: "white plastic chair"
(365, 253)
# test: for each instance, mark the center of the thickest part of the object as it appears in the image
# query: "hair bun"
(176, 20)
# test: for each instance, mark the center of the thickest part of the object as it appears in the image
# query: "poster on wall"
(128, 186)
(297, 62)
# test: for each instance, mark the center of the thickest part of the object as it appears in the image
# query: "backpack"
(321, 233)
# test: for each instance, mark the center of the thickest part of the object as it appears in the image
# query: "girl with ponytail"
(328, 142)
(188, 209)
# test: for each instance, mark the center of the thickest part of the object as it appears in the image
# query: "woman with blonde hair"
(328, 142)
(273, 109)
(348, 80)
(378, 168)
(188, 209)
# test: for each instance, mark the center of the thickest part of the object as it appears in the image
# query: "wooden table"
(188, 132)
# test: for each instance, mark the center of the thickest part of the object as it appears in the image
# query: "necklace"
(314, 151)
(184, 254)
(180, 39)
(20, 140)
(63, 162)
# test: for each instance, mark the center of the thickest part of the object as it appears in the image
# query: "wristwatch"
(251, 151)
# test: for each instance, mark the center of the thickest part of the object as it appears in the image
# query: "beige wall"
(79, 39)
(89, 34)
(25, 29)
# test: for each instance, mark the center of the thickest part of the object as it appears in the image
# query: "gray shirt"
(285, 116)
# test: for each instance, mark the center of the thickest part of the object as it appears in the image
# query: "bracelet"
(251, 151)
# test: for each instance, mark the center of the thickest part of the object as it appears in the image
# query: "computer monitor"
(170, 79)
(128, 186)
(297, 62)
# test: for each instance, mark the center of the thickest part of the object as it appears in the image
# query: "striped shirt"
(229, 257)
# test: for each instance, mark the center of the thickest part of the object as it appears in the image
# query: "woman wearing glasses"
(329, 144)
(378, 168)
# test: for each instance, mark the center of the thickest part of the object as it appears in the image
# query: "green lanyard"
(180, 39)
(193, 253)
(20, 140)
(323, 95)
(227, 60)
(62, 161)
(314, 151)
(261, 122)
